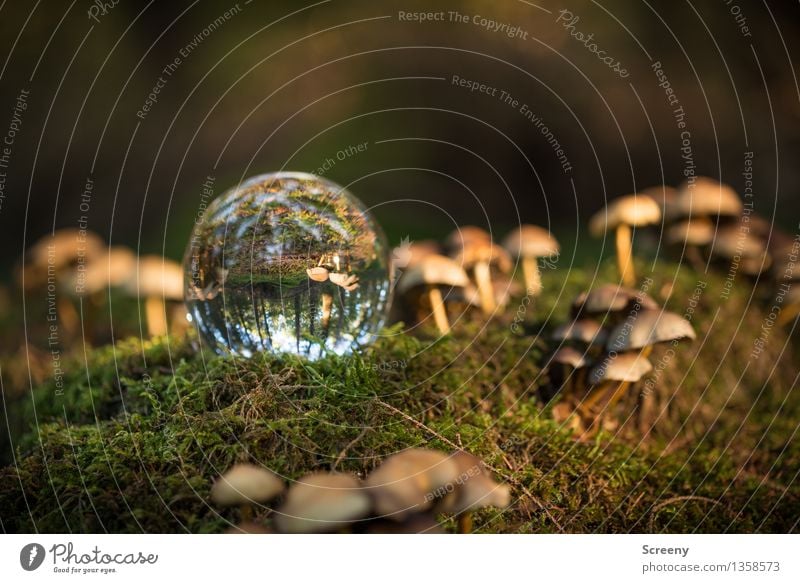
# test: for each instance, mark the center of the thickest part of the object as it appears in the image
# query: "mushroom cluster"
(404, 494)
(82, 267)
(604, 351)
(470, 271)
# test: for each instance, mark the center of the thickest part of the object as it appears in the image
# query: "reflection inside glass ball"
(287, 263)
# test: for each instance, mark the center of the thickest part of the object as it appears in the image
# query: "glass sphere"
(287, 263)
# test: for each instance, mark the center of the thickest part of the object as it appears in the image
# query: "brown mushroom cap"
(708, 197)
(245, 484)
(484, 252)
(633, 210)
(410, 254)
(433, 270)
(697, 231)
(156, 276)
(474, 488)
(666, 197)
(318, 274)
(624, 367)
(583, 330)
(464, 236)
(67, 246)
(611, 298)
(571, 357)
(732, 241)
(648, 328)
(323, 502)
(531, 241)
(111, 268)
(408, 482)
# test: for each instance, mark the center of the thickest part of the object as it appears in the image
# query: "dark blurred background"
(262, 86)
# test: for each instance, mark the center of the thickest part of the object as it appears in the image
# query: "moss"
(135, 444)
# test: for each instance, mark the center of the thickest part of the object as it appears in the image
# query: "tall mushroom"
(527, 244)
(621, 215)
(482, 258)
(706, 197)
(474, 489)
(611, 378)
(432, 273)
(691, 235)
(409, 482)
(323, 502)
(465, 236)
(157, 280)
(244, 485)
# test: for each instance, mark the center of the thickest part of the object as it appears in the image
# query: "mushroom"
(318, 274)
(474, 489)
(584, 330)
(408, 254)
(666, 197)
(322, 502)
(649, 327)
(347, 281)
(244, 485)
(620, 215)
(60, 257)
(611, 378)
(570, 360)
(706, 197)
(611, 299)
(465, 236)
(408, 482)
(157, 279)
(431, 273)
(737, 244)
(528, 243)
(482, 257)
(691, 234)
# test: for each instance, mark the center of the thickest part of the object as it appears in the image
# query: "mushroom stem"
(483, 279)
(625, 256)
(68, 315)
(694, 258)
(155, 315)
(533, 278)
(246, 512)
(439, 312)
(327, 308)
(465, 522)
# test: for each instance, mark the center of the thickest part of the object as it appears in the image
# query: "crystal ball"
(287, 263)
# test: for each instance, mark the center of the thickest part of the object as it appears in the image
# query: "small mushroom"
(569, 360)
(611, 378)
(347, 281)
(737, 244)
(621, 215)
(318, 274)
(691, 235)
(323, 502)
(408, 482)
(584, 330)
(244, 485)
(528, 243)
(706, 197)
(611, 299)
(431, 273)
(157, 279)
(474, 489)
(482, 258)
(408, 254)
(649, 327)
(464, 237)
